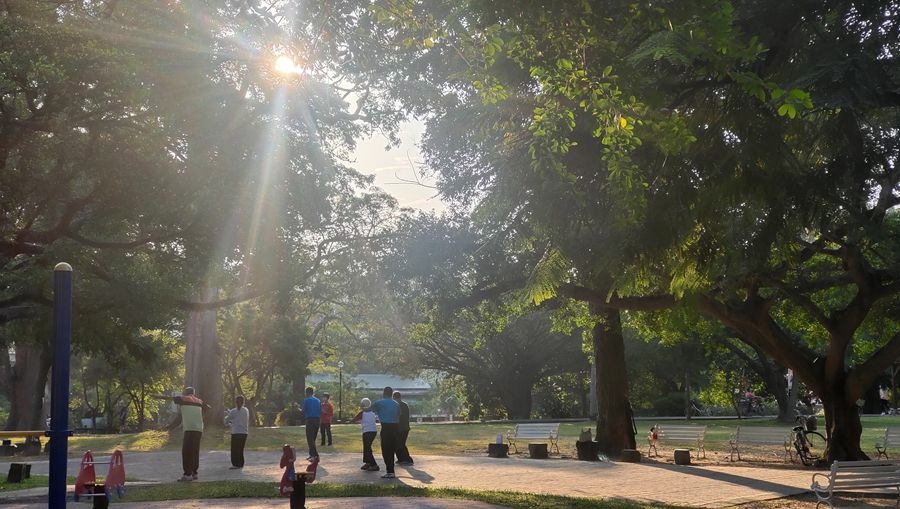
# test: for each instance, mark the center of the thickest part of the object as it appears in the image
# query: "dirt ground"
(775, 457)
(842, 501)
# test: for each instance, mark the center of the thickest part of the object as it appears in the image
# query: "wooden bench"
(681, 434)
(535, 432)
(854, 475)
(760, 435)
(32, 439)
(891, 440)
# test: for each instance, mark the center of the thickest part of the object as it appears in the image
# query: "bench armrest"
(821, 483)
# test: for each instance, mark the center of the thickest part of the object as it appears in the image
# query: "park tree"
(70, 103)
(740, 158)
(158, 134)
(502, 357)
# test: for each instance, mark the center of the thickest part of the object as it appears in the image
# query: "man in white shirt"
(239, 420)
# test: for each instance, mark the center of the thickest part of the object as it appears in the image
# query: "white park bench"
(759, 435)
(891, 440)
(856, 475)
(678, 434)
(547, 432)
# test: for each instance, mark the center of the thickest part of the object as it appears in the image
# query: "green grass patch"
(34, 481)
(431, 439)
(246, 489)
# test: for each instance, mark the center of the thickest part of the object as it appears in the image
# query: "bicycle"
(699, 410)
(810, 444)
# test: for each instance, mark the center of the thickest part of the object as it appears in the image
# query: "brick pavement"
(649, 482)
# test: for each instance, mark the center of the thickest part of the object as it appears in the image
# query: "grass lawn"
(34, 481)
(426, 439)
(431, 439)
(243, 489)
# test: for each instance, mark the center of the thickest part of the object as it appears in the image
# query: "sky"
(395, 170)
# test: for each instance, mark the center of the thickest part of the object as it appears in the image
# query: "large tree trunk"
(203, 358)
(517, 399)
(614, 430)
(842, 424)
(776, 383)
(773, 375)
(27, 380)
(792, 399)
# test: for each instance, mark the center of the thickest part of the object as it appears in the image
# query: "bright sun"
(285, 65)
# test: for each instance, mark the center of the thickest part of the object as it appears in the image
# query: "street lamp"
(340, 390)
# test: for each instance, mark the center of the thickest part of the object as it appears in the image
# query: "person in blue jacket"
(312, 411)
(388, 412)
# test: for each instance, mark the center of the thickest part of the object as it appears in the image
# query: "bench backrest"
(892, 437)
(677, 433)
(864, 474)
(536, 430)
(762, 434)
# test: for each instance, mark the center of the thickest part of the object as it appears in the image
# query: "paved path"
(655, 483)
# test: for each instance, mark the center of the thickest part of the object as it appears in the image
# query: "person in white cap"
(369, 429)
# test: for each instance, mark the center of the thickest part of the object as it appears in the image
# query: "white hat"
(365, 402)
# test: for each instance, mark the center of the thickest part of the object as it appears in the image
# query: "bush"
(291, 416)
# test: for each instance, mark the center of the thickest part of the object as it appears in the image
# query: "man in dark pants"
(403, 457)
(388, 412)
(312, 411)
(192, 422)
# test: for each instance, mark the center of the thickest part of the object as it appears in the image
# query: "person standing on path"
(192, 422)
(403, 457)
(388, 412)
(327, 416)
(369, 429)
(238, 418)
(312, 411)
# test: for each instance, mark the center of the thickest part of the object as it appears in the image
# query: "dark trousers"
(238, 440)
(312, 430)
(402, 451)
(326, 430)
(390, 438)
(368, 438)
(190, 452)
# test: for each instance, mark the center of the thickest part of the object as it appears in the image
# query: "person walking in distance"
(191, 416)
(312, 411)
(238, 419)
(327, 416)
(388, 412)
(403, 457)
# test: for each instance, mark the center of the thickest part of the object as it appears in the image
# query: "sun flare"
(285, 65)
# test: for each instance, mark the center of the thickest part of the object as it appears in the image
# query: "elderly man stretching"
(192, 422)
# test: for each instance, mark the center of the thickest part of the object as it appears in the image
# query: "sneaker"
(373, 468)
(185, 478)
(389, 475)
(194, 477)
(364, 467)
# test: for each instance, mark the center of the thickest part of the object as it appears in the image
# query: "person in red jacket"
(327, 416)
